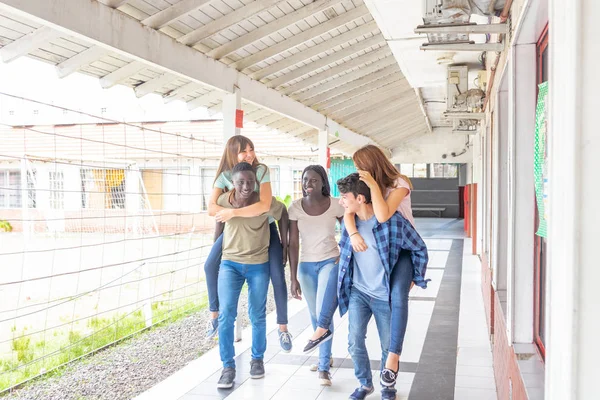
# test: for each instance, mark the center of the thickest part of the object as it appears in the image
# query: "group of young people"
(369, 273)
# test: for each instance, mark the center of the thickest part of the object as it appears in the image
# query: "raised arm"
(213, 207)
(384, 209)
(256, 209)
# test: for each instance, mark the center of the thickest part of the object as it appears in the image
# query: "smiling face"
(247, 155)
(244, 183)
(312, 183)
(350, 202)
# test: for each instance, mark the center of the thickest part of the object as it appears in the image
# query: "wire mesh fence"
(103, 233)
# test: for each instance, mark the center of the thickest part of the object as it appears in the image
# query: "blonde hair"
(370, 158)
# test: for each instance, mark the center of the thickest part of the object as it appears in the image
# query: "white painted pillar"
(572, 301)
(522, 105)
(231, 103)
(323, 144)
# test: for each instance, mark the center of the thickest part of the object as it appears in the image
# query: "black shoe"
(257, 369)
(227, 378)
(388, 378)
(325, 378)
(312, 344)
(388, 394)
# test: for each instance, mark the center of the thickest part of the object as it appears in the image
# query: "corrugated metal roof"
(323, 54)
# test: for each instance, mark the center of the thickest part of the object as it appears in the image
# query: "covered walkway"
(446, 351)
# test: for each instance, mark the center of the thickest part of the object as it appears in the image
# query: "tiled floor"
(446, 351)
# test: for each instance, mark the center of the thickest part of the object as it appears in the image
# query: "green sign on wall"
(540, 160)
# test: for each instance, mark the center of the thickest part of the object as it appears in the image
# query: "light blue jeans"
(360, 310)
(313, 277)
(232, 276)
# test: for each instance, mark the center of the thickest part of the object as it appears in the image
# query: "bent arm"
(256, 209)
(384, 209)
(213, 207)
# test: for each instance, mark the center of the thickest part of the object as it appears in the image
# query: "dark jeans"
(276, 270)
(400, 280)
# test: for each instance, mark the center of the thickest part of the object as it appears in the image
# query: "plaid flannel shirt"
(392, 236)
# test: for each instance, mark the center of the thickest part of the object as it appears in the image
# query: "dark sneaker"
(313, 344)
(285, 341)
(325, 378)
(227, 378)
(388, 378)
(388, 394)
(361, 393)
(213, 328)
(257, 369)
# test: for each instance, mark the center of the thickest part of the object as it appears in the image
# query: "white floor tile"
(474, 394)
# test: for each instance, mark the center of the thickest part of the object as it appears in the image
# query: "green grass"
(33, 355)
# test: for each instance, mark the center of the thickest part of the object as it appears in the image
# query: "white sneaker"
(315, 367)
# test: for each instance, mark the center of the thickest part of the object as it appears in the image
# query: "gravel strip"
(133, 366)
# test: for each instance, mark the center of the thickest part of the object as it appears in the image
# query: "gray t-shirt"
(317, 233)
(369, 273)
(246, 240)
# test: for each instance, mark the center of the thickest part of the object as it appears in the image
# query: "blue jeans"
(360, 310)
(276, 267)
(232, 276)
(328, 310)
(313, 277)
(400, 280)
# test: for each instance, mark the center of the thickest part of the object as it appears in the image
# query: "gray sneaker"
(325, 378)
(257, 369)
(227, 378)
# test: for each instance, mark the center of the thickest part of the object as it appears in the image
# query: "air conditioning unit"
(456, 84)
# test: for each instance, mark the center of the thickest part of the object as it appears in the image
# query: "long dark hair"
(325, 189)
(233, 147)
(370, 158)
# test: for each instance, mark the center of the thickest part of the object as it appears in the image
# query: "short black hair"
(326, 189)
(353, 184)
(241, 167)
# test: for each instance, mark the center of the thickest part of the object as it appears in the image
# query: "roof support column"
(232, 107)
(323, 149)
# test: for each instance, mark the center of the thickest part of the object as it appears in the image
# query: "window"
(444, 171)
(405, 169)
(57, 187)
(413, 170)
(103, 110)
(207, 177)
(10, 189)
(11, 112)
(31, 192)
(297, 176)
(275, 179)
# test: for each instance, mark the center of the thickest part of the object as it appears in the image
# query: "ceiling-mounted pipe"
(423, 110)
(503, 18)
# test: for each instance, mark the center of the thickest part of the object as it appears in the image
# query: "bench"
(435, 210)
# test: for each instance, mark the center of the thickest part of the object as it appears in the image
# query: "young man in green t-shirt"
(245, 259)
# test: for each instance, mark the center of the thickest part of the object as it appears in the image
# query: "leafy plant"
(5, 226)
(287, 200)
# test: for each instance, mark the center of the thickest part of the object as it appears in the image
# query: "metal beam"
(86, 57)
(181, 92)
(467, 28)
(153, 84)
(205, 99)
(338, 102)
(423, 110)
(302, 37)
(370, 57)
(121, 74)
(352, 76)
(315, 50)
(171, 14)
(325, 61)
(272, 27)
(347, 91)
(27, 43)
(226, 21)
(465, 47)
(123, 35)
(358, 102)
(464, 115)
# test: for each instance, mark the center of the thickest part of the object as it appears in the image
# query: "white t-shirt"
(317, 233)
